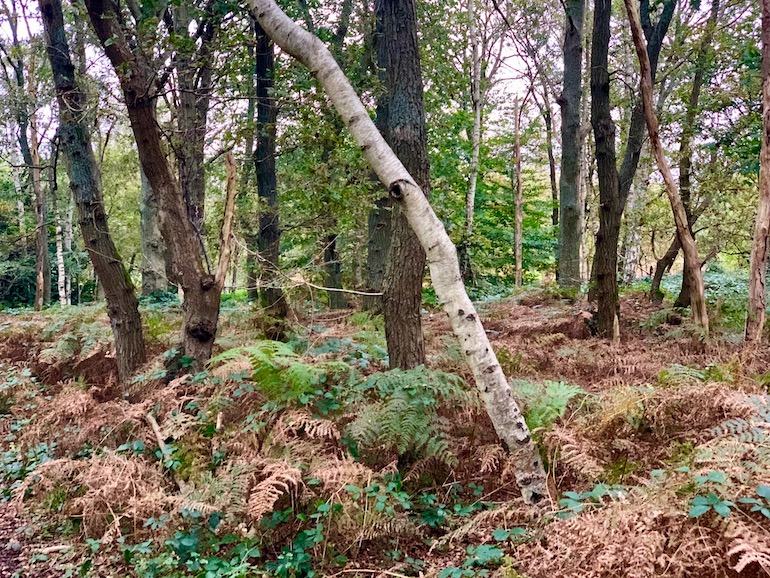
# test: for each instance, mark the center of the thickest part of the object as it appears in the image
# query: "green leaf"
(501, 535)
(697, 511)
(722, 508)
(764, 491)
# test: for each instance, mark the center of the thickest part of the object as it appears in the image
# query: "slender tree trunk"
(42, 261)
(548, 120)
(633, 238)
(152, 246)
(570, 205)
(442, 255)
(755, 321)
(85, 181)
(473, 170)
(519, 212)
(61, 278)
(692, 264)
(402, 285)
(269, 241)
(333, 267)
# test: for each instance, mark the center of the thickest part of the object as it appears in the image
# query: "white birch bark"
(470, 196)
(61, 280)
(441, 253)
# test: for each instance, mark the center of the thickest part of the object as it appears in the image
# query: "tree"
(615, 183)
(85, 182)
(755, 321)
(692, 264)
(570, 210)
(29, 143)
(402, 285)
(141, 82)
(441, 253)
(269, 239)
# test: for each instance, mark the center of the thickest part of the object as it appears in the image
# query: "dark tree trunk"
(663, 264)
(380, 226)
(570, 222)
(85, 181)
(402, 286)
(333, 272)
(614, 184)
(189, 268)
(377, 252)
(547, 118)
(264, 165)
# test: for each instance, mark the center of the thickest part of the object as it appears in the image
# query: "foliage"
(545, 402)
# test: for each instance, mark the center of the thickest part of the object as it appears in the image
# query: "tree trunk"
(632, 245)
(379, 233)
(548, 120)
(42, 261)
(152, 246)
(473, 170)
(333, 268)
(189, 267)
(380, 222)
(442, 256)
(61, 277)
(692, 264)
(605, 259)
(755, 322)
(614, 184)
(519, 199)
(194, 94)
(85, 181)
(402, 285)
(269, 241)
(570, 206)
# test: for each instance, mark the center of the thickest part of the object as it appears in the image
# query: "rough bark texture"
(755, 321)
(269, 240)
(137, 77)
(402, 285)
(193, 64)
(380, 222)
(153, 248)
(570, 213)
(42, 260)
(441, 254)
(692, 264)
(614, 183)
(85, 181)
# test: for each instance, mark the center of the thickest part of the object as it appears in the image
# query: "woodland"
(446, 288)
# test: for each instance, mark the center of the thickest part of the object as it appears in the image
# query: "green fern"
(680, 375)
(398, 411)
(751, 430)
(281, 373)
(545, 402)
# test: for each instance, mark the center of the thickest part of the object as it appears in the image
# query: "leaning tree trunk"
(405, 271)
(570, 213)
(441, 253)
(692, 264)
(85, 181)
(755, 321)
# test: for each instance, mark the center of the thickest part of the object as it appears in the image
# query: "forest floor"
(657, 447)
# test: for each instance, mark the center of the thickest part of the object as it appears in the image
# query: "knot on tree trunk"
(396, 189)
(201, 330)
